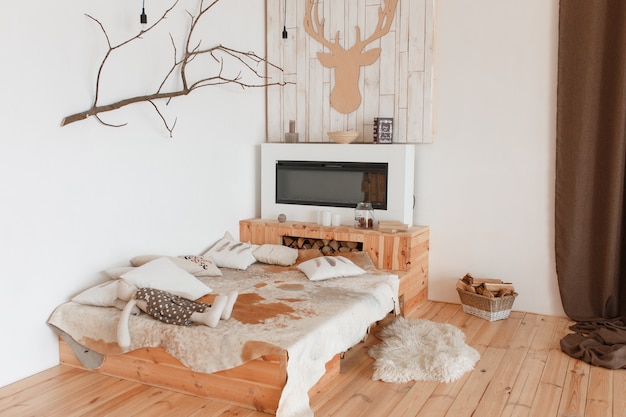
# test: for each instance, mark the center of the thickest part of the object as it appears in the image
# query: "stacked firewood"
(326, 246)
(488, 287)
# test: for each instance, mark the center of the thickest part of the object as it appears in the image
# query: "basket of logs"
(488, 298)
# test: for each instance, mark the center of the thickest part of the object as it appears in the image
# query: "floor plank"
(521, 373)
(497, 393)
(575, 389)
(619, 393)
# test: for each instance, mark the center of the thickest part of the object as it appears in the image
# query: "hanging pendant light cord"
(143, 18)
(285, 36)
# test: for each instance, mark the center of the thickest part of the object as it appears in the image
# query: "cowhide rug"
(421, 350)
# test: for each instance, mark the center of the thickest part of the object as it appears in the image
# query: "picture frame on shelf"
(383, 130)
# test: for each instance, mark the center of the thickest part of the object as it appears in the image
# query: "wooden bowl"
(343, 136)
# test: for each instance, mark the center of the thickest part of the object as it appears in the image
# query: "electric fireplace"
(301, 179)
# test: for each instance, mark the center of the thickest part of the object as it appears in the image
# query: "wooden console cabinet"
(402, 253)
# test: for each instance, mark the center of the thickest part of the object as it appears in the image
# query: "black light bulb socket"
(143, 18)
(285, 36)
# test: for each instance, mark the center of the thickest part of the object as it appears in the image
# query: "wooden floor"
(522, 372)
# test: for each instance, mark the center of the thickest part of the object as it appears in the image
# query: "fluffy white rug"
(422, 350)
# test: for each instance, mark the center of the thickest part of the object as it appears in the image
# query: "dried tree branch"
(248, 60)
(167, 126)
(108, 124)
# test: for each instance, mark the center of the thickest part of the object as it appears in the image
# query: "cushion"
(230, 253)
(276, 255)
(209, 268)
(360, 258)
(103, 295)
(201, 267)
(327, 267)
(162, 274)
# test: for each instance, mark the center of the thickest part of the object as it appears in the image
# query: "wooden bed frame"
(258, 384)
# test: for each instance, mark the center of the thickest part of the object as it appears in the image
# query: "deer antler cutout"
(345, 96)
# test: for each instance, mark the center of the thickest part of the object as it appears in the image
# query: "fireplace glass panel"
(335, 184)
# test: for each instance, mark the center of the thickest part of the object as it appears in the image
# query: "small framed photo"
(383, 129)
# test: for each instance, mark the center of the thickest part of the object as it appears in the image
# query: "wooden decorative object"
(343, 136)
(345, 96)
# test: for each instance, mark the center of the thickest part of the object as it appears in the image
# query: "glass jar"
(364, 216)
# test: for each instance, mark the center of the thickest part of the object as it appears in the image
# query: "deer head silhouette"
(345, 96)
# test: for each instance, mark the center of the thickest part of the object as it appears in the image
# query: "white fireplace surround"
(401, 172)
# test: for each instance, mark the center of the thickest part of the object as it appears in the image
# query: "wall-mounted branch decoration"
(186, 81)
(345, 96)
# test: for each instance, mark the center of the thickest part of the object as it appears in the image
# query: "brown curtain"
(590, 239)
(591, 159)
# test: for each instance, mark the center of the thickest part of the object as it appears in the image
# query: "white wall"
(486, 186)
(82, 198)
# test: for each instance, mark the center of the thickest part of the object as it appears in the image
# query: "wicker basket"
(491, 309)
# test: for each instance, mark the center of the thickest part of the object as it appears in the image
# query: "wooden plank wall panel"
(274, 53)
(398, 84)
(429, 44)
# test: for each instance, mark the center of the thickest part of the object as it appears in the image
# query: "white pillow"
(104, 295)
(162, 274)
(230, 253)
(196, 265)
(326, 267)
(276, 254)
(208, 266)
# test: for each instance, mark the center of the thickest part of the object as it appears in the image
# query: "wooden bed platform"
(257, 384)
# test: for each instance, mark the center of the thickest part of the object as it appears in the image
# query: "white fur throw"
(422, 350)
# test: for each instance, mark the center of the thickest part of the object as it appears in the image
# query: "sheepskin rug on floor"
(421, 350)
